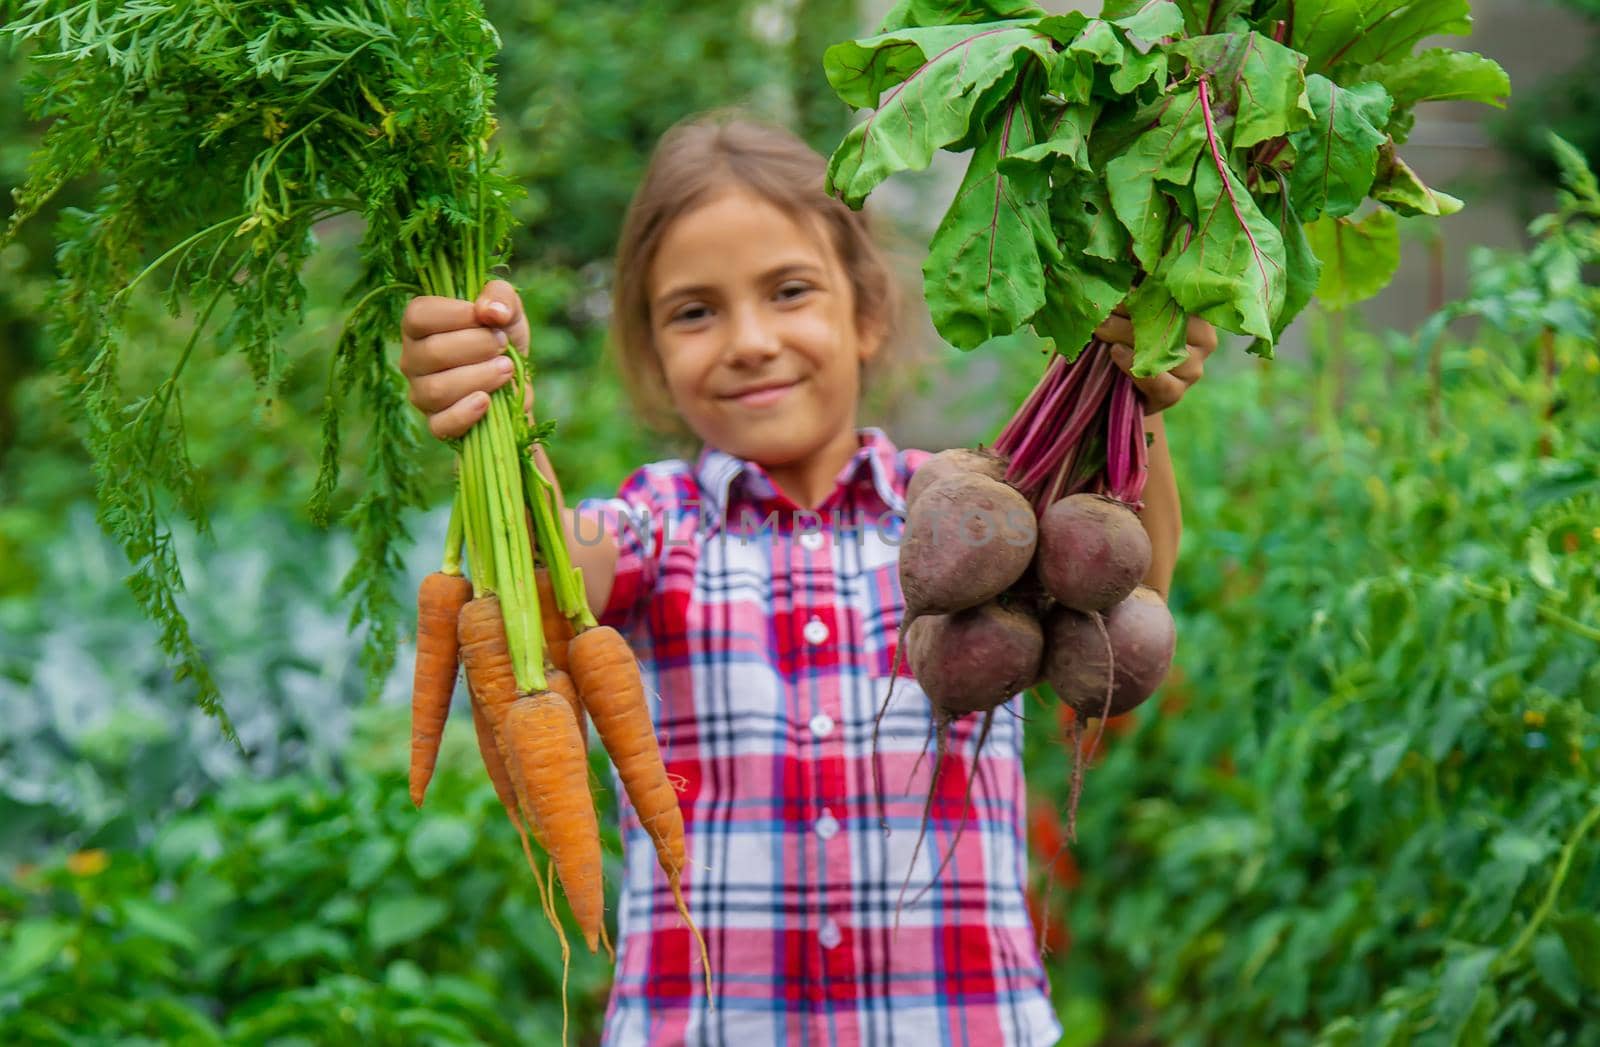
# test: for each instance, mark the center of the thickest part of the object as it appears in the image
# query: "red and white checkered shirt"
(767, 636)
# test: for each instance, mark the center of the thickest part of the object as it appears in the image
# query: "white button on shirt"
(816, 631)
(811, 540)
(827, 825)
(822, 725)
(829, 935)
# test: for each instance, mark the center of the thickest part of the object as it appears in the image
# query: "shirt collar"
(718, 474)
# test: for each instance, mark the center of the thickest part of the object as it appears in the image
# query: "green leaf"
(186, 840)
(1362, 32)
(148, 918)
(303, 943)
(1555, 967)
(371, 860)
(397, 919)
(1323, 27)
(1229, 268)
(1160, 329)
(1337, 155)
(1459, 986)
(928, 85)
(1580, 933)
(1080, 292)
(1391, 28)
(1386, 756)
(1080, 210)
(1147, 19)
(1068, 141)
(1302, 271)
(1215, 16)
(33, 945)
(984, 276)
(1440, 75)
(1165, 153)
(437, 843)
(1102, 44)
(1399, 187)
(911, 13)
(1358, 257)
(1258, 81)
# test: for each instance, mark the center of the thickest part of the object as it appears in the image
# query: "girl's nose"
(751, 337)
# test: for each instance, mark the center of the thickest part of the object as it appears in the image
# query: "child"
(758, 586)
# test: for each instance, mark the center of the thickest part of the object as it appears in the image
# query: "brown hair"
(697, 158)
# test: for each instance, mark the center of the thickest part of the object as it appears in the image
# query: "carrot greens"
(223, 136)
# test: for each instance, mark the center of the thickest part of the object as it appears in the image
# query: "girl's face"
(754, 323)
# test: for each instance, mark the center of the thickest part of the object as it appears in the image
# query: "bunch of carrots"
(538, 666)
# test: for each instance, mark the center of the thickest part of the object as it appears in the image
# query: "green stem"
(453, 536)
(1547, 904)
(564, 578)
(182, 245)
(512, 555)
(1545, 611)
(478, 548)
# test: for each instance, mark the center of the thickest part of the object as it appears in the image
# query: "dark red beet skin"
(975, 660)
(1142, 637)
(1092, 552)
(966, 540)
(948, 463)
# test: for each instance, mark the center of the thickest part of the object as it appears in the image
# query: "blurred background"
(1363, 810)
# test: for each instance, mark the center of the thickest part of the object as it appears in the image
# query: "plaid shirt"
(767, 636)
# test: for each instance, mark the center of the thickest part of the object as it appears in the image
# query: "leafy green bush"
(301, 910)
(100, 745)
(1367, 810)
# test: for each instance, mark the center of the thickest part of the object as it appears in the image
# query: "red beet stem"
(1043, 441)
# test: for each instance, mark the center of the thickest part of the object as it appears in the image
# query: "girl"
(758, 586)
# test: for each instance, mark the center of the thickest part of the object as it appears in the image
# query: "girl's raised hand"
(452, 353)
(1163, 390)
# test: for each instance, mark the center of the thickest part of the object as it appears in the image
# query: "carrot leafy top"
(222, 135)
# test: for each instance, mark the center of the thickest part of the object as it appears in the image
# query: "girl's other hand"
(1163, 390)
(452, 353)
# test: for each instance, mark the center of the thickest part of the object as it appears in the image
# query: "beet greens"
(1176, 156)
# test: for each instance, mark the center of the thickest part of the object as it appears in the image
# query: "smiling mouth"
(764, 395)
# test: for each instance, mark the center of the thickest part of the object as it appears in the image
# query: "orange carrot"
(541, 740)
(562, 684)
(499, 774)
(439, 602)
(613, 693)
(557, 630)
(485, 653)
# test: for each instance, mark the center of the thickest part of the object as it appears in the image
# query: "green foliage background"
(1362, 812)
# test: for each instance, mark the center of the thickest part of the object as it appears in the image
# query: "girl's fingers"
(499, 306)
(428, 314)
(1118, 330)
(432, 393)
(455, 420)
(1192, 368)
(1202, 335)
(452, 349)
(1160, 391)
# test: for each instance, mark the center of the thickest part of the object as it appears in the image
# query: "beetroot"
(975, 660)
(952, 462)
(966, 539)
(1092, 552)
(1142, 639)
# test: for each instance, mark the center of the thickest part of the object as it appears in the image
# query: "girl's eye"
(690, 314)
(793, 289)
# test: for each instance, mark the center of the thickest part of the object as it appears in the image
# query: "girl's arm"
(1163, 515)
